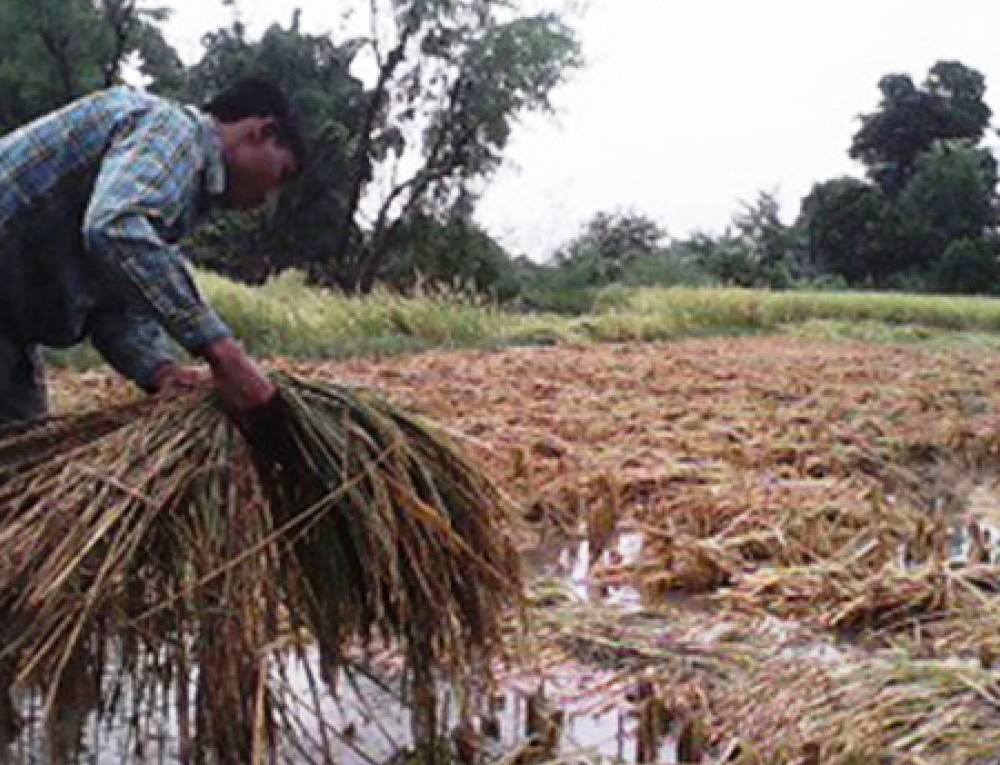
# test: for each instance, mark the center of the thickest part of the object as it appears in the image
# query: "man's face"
(258, 165)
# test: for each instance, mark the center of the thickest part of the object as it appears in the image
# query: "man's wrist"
(161, 371)
(219, 351)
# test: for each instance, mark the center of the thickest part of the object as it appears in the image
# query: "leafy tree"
(949, 198)
(299, 232)
(968, 266)
(453, 75)
(609, 243)
(159, 61)
(776, 251)
(613, 235)
(455, 252)
(960, 91)
(52, 51)
(728, 259)
(452, 80)
(673, 266)
(910, 119)
(857, 232)
(758, 250)
(932, 186)
(125, 27)
(44, 58)
(845, 221)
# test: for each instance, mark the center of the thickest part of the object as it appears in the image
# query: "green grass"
(287, 318)
(889, 334)
(686, 308)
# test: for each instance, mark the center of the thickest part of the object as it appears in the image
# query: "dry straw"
(152, 552)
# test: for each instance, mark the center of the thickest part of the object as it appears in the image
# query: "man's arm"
(133, 343)
(146, 184)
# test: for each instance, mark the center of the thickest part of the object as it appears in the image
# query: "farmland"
(776, 547)
(287, 318)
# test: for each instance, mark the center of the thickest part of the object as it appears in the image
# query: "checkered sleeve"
(146, 184)
(132, 342)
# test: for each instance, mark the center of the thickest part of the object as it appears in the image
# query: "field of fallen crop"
(764, 550)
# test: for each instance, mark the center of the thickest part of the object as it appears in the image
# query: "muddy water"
(366, 723)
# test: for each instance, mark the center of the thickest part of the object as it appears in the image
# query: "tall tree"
(847, 223)
(452, 76)
(776, 249)
(950, 197)
(968, 267)
(909, 120)
(609, 242)
(317, 72)
(52, 51)
(45, 57)
(451, 83)
(124, 28)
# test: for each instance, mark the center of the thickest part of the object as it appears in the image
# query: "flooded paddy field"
(739, 550)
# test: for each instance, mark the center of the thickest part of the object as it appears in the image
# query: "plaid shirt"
(93, 200)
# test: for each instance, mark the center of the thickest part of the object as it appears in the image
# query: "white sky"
(686, 107)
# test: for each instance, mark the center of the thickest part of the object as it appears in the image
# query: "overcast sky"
(685, 108)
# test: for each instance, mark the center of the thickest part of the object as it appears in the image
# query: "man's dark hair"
(259, 97)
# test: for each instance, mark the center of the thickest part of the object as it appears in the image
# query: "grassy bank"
(287, 318)
(680, 311)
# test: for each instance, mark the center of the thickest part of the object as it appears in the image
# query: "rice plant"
(159, 545)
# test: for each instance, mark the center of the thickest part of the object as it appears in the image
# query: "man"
(94, 199)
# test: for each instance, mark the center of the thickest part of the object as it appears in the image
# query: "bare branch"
(375, 105)
(376, 46)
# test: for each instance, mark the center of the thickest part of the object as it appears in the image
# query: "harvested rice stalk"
(874, 711)
(160, 537)
(891, 600)
(772, 692)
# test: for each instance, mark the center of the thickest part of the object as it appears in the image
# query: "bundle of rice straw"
(155, 552)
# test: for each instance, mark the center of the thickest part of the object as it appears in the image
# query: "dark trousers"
(23, 394)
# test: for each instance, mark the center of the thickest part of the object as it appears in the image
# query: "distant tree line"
(925, 218)
(399, 162)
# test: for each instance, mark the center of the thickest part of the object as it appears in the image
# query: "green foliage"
(481, 66)
(671, 267)
(502, 69)
(286, 317)
(52, 51)
(455, 252)
(844, 222)
(727, 259)
(44, 56)
(948, 198)
(758, 251)
(300, 231)
(616, 237)
(160, 62)
(564, 288)
(617, 247)
(826, 283)
(970, 267)
(453, 76)
(627, 249)
(853, 230)
(777, 250)
(910, 120)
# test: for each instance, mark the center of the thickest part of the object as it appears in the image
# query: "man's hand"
(173, 378)
(241, 383)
